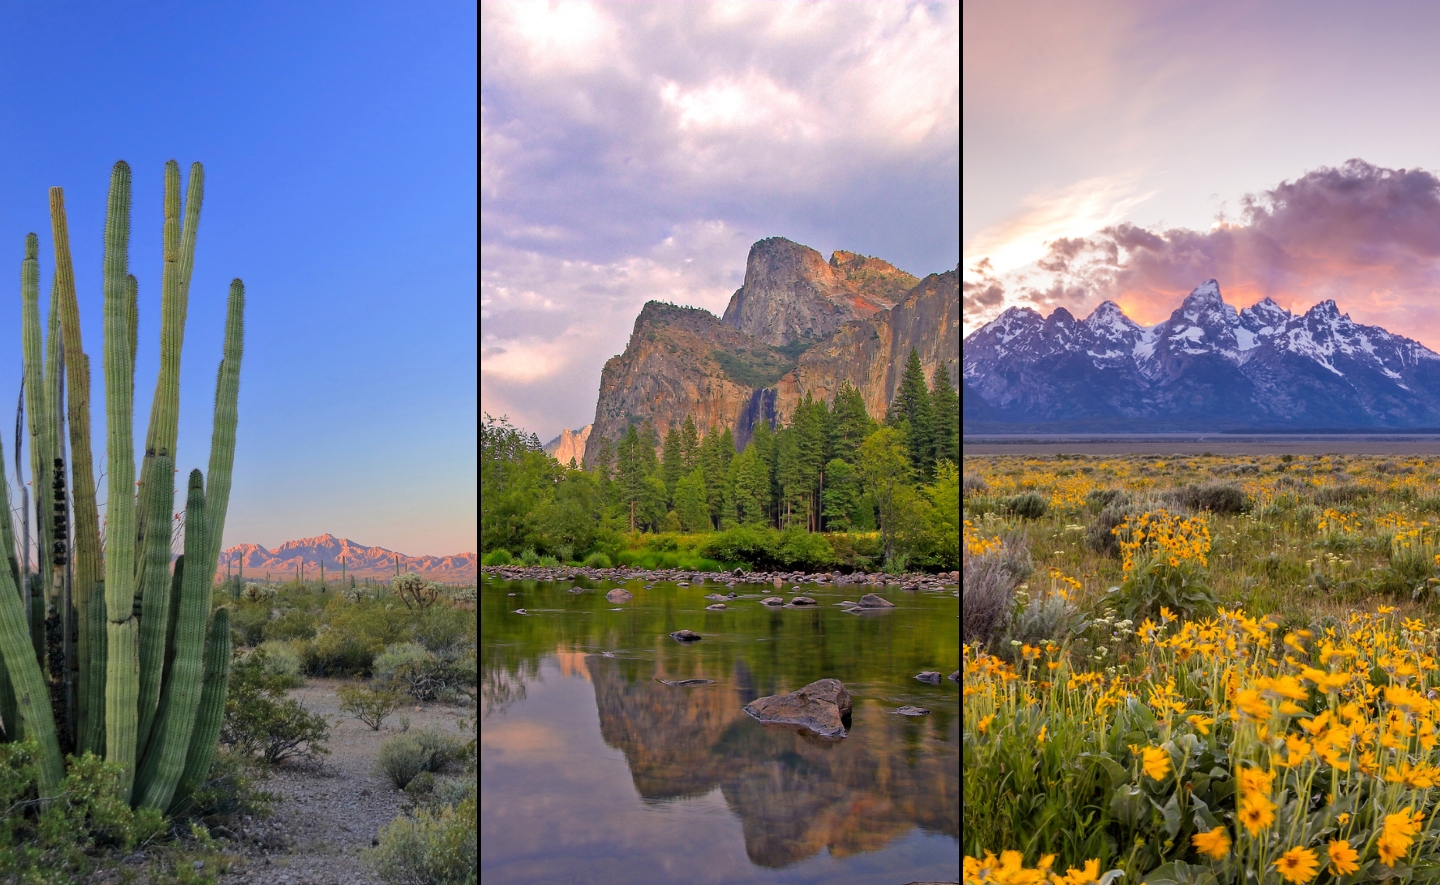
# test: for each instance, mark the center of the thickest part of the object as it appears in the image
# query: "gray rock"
(955, 677)
(685, 636)
(819, 706)
(619, 595)
(731, 595)
(802, 600)
(521, 611)
(716, 607)
(908, 710)
(870, 600)
(679, 682)
(577, 589)
(715, 596)
(772, 600)
(929, 676)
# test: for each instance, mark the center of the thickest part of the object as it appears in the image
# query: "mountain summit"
(285, 561)
(1207, 367)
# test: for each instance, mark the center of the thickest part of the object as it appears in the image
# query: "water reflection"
(795, 794)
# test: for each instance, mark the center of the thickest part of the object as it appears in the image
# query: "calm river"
(593, 771)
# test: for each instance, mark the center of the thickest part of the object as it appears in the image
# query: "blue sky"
(634, 151)
(339, 145)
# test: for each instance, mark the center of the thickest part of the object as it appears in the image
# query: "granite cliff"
(570, 444)
(798, 324)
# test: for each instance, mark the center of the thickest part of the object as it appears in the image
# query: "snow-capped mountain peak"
(1263, 362)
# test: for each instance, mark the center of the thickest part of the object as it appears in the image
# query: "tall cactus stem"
(222, 434)
(154, 594)
(122, 668)
(87, 572)
(180, 696)
(205, 737)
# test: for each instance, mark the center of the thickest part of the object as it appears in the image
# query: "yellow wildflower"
(1256, 813)
(1155, 762)
(1298, 865)
(1214, 844)
(984, 724)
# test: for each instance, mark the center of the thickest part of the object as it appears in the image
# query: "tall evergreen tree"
(763, 441)
(691, 503)
(630, 471)
(811, 444)
(712, 468)
(850, 423)
(751, 485)
(672, 461)
(945, 417)
(911, 412)
(841, 496)
(689, 445)
(884, 469)
(790, 475)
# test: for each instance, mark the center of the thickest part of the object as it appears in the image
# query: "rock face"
(791, 294)
(858, 316)
(819, 706)
(569, 444)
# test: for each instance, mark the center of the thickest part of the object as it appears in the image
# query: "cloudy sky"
(634, 151)
(1130, 150)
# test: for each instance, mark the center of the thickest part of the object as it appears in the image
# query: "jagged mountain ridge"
(798, 324)
(1207, 366)
(361, 561)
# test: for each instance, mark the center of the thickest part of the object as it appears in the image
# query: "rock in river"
(870, 600)
(772, 600)
(955, 677)
(929, 676)
(685, 636)
(678, 682)
(819, 706)
(802, 600)
(717, 607)
(716, 596)
(619, 595)
(577, 589)
(521, 611)
(908, 710)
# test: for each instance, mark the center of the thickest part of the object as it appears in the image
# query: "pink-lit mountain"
(283, 563)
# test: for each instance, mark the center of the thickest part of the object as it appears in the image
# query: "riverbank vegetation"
(1200, 668)
(833, 489)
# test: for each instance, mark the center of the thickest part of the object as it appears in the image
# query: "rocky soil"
(331, 811)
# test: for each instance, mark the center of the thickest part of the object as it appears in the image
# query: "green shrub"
(754, 547)
(1155, 583)
(261, 722)
(1333, 496)
(497, 557)
(804, 550)
(1216, 498)
(857, 550)
(404, 756)
(282, 660)
(597, 560)
(442, 627)
(529, 557)
(1099, 499)
(247, 623)
(228, 792)
(351, 634)
(370, 705)
(396, 655)
(1030, 505)
(293, 623)
(435, 848)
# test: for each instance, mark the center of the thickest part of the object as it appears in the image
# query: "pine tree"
(763, 441)
(911, 411)
(751, 483)
(842, 495)
(689, 445)
(672, 461)
(629, 471)
(790, 474)
(712, 468)
(691, 503)
(811, 427)
(945, 417)
(850, 423)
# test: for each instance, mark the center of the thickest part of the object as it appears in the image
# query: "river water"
(593, 771)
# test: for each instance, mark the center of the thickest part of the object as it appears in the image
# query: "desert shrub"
(261, 722)
(404, 756)
(433, 848)
(597, 560)
(370, 705)
(351, 634)
(247, 623)
(497, 557)
(1098, 499)
(974, 485)
(1045, 617)
(293, 623)
(442, 627)
(398, 654)
(228, 792)
(1216, 497)
(1100, 535)
(1349, 493)
(438, 677)
(416, 592)
(1030, 505)
(282, 660)
(987, 593)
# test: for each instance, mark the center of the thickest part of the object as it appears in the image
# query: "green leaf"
(1180, 873)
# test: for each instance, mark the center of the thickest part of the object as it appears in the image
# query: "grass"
(1283, 730)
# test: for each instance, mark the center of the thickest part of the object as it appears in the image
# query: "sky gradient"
(1130, 151)
(339, 144)
(634, 151)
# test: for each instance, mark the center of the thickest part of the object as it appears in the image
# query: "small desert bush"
(397, 655)
(1215, 497)
(1030, 505)
(293, 623)
(988, 591)
(370, 705)
(281, 659)
(1333, 496)
(404, 756)
(432, 848)
(261, 722)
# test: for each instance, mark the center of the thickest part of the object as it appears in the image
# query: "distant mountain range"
(569, 444)
(283, 563)
(1207, 367)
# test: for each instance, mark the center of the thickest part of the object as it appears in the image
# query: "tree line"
(831, 469)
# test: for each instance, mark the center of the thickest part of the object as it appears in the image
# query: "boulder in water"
(716, 607)
(802, 600)
(685, 636)
(929, 676)
(908, 710)
(772, 600)
(870, 600)
(820, 706)
(619, 595)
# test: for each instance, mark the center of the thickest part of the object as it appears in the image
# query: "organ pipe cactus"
(144, 682)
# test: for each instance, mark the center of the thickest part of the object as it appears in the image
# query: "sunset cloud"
(1364, 235)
